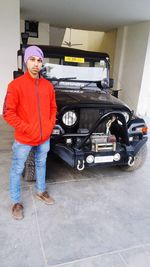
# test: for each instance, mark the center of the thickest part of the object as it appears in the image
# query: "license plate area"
(102, 159)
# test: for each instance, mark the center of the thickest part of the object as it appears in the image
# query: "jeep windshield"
(82, 76)
(72, 68)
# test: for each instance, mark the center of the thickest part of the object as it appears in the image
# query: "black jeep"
(93, 126)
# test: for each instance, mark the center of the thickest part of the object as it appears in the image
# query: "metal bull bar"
(100, 120)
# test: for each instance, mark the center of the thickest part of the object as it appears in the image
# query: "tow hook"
(80, 165)
(131, 161)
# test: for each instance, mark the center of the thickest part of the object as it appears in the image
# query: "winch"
(103, 142)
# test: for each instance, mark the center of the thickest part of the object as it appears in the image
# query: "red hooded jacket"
(30, 107)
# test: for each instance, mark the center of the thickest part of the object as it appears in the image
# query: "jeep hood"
(83, 98)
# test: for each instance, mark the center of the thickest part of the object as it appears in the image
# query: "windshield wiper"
(66, 78)
(87, 84)
(62, 79)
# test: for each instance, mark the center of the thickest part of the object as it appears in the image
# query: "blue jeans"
(20, 154)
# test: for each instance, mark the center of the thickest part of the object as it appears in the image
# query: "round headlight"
(69, 118)
(126, 115)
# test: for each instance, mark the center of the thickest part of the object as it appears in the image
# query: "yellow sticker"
(74, 59)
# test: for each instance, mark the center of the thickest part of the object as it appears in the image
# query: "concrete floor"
(101, 217)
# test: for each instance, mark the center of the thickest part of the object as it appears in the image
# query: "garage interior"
(101, 217)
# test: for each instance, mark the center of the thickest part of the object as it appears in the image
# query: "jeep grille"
(88, 117)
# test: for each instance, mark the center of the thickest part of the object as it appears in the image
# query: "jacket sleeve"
(11, 103)
(53, 108)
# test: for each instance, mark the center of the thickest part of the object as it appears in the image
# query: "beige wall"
(93, 41)
(44, 35)
(77, 37)
(56, 35)
(10, 42)
(88, 40)
(129, 68)
(108, 45)
(143, 107)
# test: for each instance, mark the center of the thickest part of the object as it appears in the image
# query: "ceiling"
(99, 15)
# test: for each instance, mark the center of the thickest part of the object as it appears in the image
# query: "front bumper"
(122, 151)
(77, 158)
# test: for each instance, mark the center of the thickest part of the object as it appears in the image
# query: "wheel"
(29, 170)
(138, 160)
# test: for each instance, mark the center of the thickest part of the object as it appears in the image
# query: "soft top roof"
(54, 51)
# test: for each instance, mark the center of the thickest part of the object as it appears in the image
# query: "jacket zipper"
(39, 112)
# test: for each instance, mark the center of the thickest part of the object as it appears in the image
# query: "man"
(30, 108)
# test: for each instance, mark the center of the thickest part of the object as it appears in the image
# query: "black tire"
(29, 170)
(138, 160)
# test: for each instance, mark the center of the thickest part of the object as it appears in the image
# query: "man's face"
(34, 65)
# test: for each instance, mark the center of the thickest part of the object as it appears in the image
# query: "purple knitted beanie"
(33, 51)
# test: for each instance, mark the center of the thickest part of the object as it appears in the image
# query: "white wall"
(129, 67)
(9, 43)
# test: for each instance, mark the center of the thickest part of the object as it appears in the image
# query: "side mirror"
(105, 83)
(111, 83)
(17, 73)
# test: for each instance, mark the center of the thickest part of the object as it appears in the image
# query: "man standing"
(30, 108)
